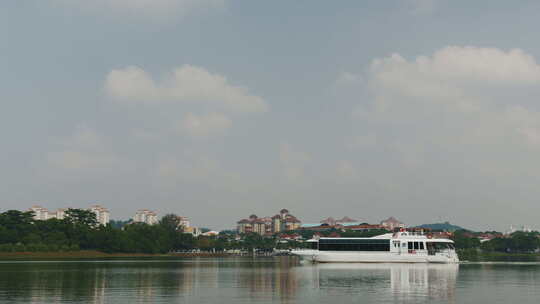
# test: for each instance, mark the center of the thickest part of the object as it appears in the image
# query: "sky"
(426, 110)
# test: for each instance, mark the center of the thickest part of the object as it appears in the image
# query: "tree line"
(517, 242)
(79, 230)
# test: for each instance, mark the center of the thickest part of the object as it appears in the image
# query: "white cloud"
(458, 97)
(143, 8)
(422, 6)
(289, 155)
(83, 150)
(345, 169)
(361, 141)
(293, 162)
(205, 125)
(188, 84)
(348, 79)
(459, 65)
(197, 169)
(200, 169)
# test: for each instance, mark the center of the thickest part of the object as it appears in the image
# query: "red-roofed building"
(244, 226)
(280, 222)
(365, 227)
(259, 226)
(392, 223)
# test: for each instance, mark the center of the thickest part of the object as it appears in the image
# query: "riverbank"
(90, 254)
(473, 255)
(464, 255)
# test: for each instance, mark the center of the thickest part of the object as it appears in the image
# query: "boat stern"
(307, 255)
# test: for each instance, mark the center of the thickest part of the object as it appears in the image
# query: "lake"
(264, 280)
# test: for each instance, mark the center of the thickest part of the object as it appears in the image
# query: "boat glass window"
(354, 245)
(439, 246)
(422, 245)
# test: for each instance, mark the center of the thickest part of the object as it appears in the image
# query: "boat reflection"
(433, 281)
(262, 280)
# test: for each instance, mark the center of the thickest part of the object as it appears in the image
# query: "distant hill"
(446, 226)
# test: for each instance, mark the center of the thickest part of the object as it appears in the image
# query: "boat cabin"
(401, 244)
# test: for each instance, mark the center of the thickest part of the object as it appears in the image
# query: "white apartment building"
(184, 221)
(146, 216)
(102, 214)
(40, 213)
(43, 214)
(59, 214)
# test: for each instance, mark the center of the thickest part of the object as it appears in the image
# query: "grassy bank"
(90, 254)
(474, 255)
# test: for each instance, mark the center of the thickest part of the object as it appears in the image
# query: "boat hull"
(373, 257)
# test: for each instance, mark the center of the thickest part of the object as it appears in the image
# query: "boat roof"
(397, 236)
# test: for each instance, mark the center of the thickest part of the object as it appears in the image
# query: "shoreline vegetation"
(465, 256)
(78, 235)
(93, 254)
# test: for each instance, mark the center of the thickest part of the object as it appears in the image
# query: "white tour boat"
(398, 247)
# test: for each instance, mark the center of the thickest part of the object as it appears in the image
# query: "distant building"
(484, 237)
(43, 214)
(259, 226)
(317, 227)
(290, 223)
(283, 221)
(364, 227)
(345, 220)
(146, 216)
(59, 214)
(354, 226)
(333, 222)
(102, 214)
(192, 230)
(40, 213)
(515, 229)
(185, 224)
(210, 233)
(329, 221)
(392, 223)
(184, 221)
(244, 226)
(290, 237)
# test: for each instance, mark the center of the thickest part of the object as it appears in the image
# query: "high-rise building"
(146, 216)
(102, 214)
(60, 214)
(283, 221)
(40, 213)
(184, 221)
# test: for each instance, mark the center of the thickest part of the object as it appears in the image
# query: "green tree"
(464, 239)
(81, 217)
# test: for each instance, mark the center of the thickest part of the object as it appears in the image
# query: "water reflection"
(280, 280)
(402, 281)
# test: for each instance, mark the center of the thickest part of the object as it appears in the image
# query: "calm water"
(264, 280)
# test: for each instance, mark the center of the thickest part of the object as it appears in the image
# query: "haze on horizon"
(426, 110)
